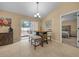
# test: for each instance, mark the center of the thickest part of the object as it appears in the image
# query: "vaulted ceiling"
(29, 8)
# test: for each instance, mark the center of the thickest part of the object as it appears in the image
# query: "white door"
(78, 29)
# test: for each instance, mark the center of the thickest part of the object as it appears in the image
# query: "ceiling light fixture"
(37, 15)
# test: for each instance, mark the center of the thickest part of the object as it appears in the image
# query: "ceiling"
(29, 8)
(70, 17)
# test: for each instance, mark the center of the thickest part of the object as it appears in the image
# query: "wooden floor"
(24, 49)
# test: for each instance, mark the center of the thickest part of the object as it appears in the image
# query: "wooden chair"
(43, 37)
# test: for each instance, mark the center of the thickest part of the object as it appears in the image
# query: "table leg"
(41, 43)
(47, 41)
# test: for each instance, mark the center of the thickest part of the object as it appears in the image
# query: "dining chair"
(35, 40)
(44, 37)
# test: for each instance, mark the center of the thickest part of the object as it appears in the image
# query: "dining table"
(43, 35)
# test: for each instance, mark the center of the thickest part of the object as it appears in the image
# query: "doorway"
(27, 28)
(69, 29)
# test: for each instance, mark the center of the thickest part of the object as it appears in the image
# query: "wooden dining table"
(43, 35)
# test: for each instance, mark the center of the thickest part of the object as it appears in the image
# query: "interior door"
(77, 29)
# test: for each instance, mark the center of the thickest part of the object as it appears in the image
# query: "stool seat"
(35, 37)
(35, 40)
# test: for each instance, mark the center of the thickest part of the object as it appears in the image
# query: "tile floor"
(70, 41)
(24, 49)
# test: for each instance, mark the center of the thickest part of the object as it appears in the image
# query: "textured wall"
(16, 23)
(55, 17)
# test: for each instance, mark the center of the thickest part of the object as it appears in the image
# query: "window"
(26, 24)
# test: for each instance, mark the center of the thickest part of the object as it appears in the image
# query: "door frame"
(66, 13)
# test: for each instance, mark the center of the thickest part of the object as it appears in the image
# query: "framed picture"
(5, 21)
(48, 25)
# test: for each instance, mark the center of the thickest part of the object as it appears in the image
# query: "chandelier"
(37, 15)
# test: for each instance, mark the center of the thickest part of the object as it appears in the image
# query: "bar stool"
(35, 40)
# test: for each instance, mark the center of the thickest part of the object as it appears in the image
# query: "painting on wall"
(48, 25)
(5, 21)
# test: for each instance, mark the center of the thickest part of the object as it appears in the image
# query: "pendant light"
(37, 15)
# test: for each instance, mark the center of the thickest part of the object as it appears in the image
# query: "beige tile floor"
(24, 49)
(70, 41)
